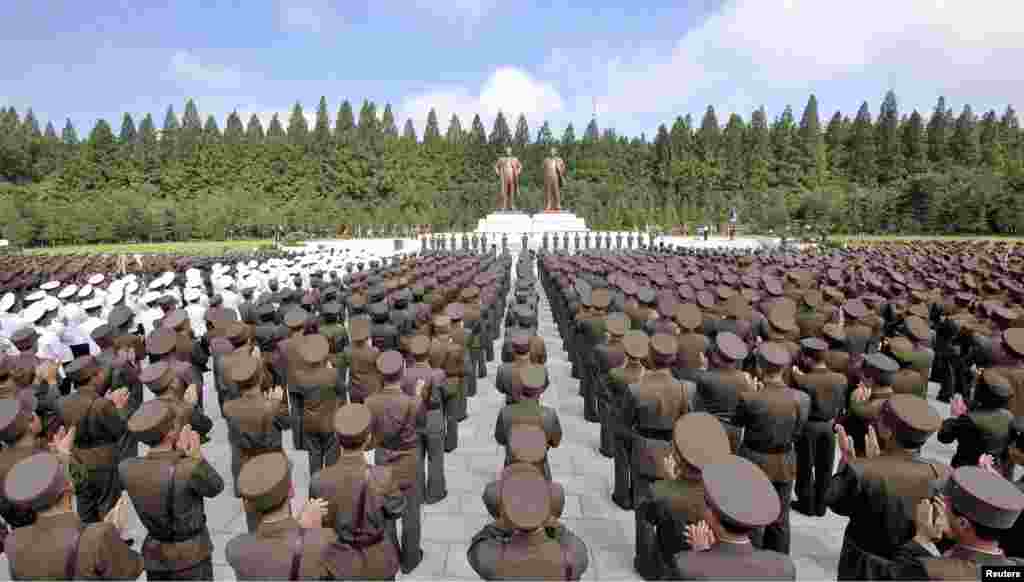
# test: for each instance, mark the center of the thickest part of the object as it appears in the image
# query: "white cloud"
(187, 68)
(306, 15)
(778, 51)
(509, 90)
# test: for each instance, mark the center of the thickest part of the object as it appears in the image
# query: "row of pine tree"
(940, 172)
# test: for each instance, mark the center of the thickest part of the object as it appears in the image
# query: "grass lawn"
(912, 237)
(185, 248)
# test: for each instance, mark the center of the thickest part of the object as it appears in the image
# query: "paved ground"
(576, 464)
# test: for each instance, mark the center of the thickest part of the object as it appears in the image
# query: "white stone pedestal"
(510, 221)
(561, 221)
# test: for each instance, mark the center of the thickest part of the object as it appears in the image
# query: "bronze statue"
(554, 176)
(508, 169)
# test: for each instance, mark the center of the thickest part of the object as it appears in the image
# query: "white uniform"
(231, 300)
(91, 323)
(197, 317)
(148, 316)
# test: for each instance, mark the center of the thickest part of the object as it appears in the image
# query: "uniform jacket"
(773, 419)
(725, 561)
(364, 379)
(255, 424)
(169, 503)
(270, 552)
(394, 432)
(322, 392)
(362, 503)
(883, 490)
(527, 556)
(826, 390)
(41, 551)
(100, 428)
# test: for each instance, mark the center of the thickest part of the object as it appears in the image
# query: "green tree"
(964, 147)
(298, 127)
(733, 154)
(432, 132)
(128, 133)
(69, 136)
(254, 130)
(454, 135)
(211, 133)
(889, 158)
(522, 135)
(811, 147)
(835, 145)
(234, 133)
(191, 133)
(862, 168)
(322, 128)
(914, 144)
(344, 123)
(31, 125)
(785, 154)
(369, 125)
(387, 122)
(169, 135)
(409, 132)
(759, 152)
(275, 133)
(592, 134)
(991, 142)
(545, 138)
(938, 133)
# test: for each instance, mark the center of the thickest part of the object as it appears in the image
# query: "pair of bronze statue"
(508, 169)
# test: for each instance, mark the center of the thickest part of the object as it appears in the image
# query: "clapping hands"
(192, 394)
(118, 515)
(62, 441)
(931, 519)
(313, 514)
(700, 537)
(862, 393)
(848, 450)
(189, 442)
(958, 407)
(119, 397)
(988, 462)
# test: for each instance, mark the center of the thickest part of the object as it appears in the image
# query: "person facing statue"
(554, 176)
(508, 169)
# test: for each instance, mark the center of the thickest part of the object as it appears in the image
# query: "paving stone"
(435, 556)
(452, 527)
(450, 504)
(610, 564)
(600, 533)
(220, 542)
(599, 504)
(457, 565)
(473, 503)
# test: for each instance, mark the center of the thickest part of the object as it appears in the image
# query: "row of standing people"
(777, 375)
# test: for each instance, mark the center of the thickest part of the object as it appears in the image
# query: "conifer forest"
(877, 170)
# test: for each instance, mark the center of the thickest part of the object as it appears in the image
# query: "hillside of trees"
(186, 178)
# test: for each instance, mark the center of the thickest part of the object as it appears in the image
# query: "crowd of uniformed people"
(731, 388)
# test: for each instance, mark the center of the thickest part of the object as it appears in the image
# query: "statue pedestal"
(505, 221)
(557, 221)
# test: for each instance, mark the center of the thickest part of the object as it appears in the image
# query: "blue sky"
(639, 63)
